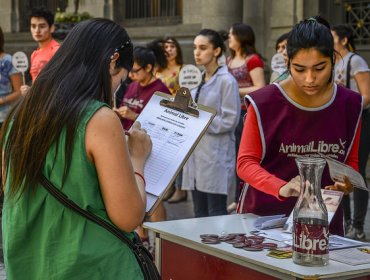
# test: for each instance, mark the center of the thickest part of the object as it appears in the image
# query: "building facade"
(149, 19)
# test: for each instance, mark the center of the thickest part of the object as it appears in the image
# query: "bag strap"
(143, 256)
(348, 72)
(62, 198)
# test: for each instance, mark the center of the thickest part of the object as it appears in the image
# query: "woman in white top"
(210, 170)
(352, 71)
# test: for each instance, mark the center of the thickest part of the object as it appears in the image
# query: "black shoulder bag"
(143, 256)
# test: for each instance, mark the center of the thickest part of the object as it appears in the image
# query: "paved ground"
(2, 272)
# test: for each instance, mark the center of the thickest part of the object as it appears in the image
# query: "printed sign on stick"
(190, 76)
(20, 62)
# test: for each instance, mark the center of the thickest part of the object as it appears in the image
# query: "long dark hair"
(160, 58)
(245, 35)
(77, 74)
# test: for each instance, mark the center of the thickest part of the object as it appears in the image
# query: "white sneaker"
(356, 234)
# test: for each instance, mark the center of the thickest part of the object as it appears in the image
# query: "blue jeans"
(209, 204)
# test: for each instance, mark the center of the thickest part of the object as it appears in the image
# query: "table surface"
(186, 233)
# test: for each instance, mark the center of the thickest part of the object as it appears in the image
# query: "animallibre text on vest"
(312, 147)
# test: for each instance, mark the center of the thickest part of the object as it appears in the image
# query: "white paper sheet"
(337, 242)
(173, 136)
(269, 222)
(352, 256)
(276, 234)
(338, 170)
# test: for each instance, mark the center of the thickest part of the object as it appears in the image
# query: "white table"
(181, 255)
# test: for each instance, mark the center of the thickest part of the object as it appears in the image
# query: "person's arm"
(16, 81)
(363, 84)
(250, 156)
(258, 79)
(124, 112)
(257, 74)
(115, 160)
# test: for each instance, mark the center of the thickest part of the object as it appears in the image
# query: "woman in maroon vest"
(304, 115)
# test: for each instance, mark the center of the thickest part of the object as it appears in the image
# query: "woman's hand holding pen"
(124, 112)
(139, 145)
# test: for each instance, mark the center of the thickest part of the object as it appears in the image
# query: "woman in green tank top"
(65, 130)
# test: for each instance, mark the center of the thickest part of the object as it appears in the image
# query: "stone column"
(257, 13)
(214, 14)
(271, 18)
(5, 15)
(14, 25)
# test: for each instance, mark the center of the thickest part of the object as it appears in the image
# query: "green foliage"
(61, 17)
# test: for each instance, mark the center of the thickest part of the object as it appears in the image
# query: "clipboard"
(175, 125)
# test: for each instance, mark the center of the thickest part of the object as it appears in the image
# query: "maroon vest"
(289, 130)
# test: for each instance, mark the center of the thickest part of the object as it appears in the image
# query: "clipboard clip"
(183, 102)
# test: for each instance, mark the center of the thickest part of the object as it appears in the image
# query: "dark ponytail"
(311, 33)
(156, 46)
(344, 31)
(215, 39)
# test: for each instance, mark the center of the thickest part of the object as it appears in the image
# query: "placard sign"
(190, 76)
(20, 62)
(278, 63)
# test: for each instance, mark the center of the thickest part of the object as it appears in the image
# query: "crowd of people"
(64, 124)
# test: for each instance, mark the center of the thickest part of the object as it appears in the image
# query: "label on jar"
(312, 238)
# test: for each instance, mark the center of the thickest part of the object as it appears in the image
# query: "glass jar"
(310, 216)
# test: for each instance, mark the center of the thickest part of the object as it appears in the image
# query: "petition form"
(174, 135)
